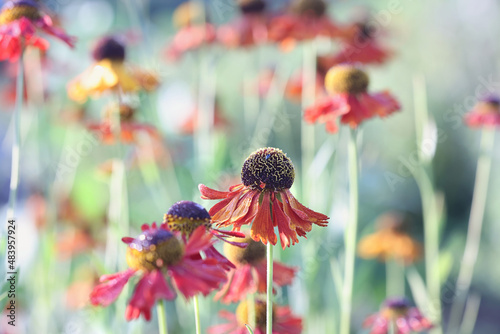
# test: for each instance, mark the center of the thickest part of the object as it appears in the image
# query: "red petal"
(262, 227)
(107, 292)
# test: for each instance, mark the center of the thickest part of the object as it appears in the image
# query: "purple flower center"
(109, 48)
(186, 216)
(188, 209)
(150, 238)
(397, 303)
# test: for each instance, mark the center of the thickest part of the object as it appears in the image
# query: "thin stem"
(395, 278)
(475, 227)
(162, 317)
(251, 309)
(14, 172)
(350, 236)
(196, 303)
(269, 299)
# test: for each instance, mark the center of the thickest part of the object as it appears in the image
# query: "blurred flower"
(362, 48)
(390, 241)
(20, 21)
(249, 29)
(129, 129)
(485, 113)
(284, 322)
(77, 293)
(191, 124)
(73, 242)
(194, 31)
(158, 254)
(349, 100)
(186, 216)
(110, 73)
(249, 276)
(398, 313)
(308, 19)
(264, 197)
(37, 206)
(294, 87)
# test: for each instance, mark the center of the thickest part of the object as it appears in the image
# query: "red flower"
(284, 322)
(20, 21)
(397, 311)
(249, 276)
(190, 38)
(486, 113)
(158, 254)
(250, 29)
(349, 100)
(186, 216)
(266, 176)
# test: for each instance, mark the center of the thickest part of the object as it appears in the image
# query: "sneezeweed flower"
(20, 22)
(349, 100)
(249, 29)
(284, 322)
(110, 73)
(129, 128)
(397, 312)
(264, 197)
(186, 216)
(194, 30)
(158, 255)
(486, 113)
(249, 276)
(390, 241)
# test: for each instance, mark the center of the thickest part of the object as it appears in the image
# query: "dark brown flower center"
(186, 216)
(346, 79)
(154, 249)
(251, 6)
(126, 111)
(14, 10)
(268, 168)
(109, 48)
(253, 253)
(242, 314)
(315, 8)
(489, 105)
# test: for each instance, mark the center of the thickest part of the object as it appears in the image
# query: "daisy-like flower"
(390, 241)
(349, 100)
(264, 197)
(194, 30)
(486, 113)
(249, 29)
(20, 22)
(186, 216)
(110, 73)
(284, 322)
(157, 254)
(362, 48)
(129, 128)
(249, 276)
(398, 313)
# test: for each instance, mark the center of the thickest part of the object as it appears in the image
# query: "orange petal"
(262, 227)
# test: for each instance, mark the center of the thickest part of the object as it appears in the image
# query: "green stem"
(395, 278)
(269, 299)
(162, 317)
(14, 172)
(475, 227)
(197, 314)
(350, 236)
(251, 310)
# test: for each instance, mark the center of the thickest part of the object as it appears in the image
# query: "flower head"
(264, 197)
(349, 100)
(486, 113)
(20, 21)
(110, 73)
(284, 322)
(390, 241)
(186, 216)
(160, 256)
(398, 313)
(249, 275)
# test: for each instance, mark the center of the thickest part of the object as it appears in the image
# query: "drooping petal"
(110, 288)
(209, 193)
(283, 223)
(262, 227)
(211, 252)
(199, 241)
(240, 285)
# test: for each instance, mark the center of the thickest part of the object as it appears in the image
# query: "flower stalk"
(196, 304)
(269, 298)
(162, 317)
(350, 235)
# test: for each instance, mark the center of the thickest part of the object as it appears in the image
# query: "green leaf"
(249, 329)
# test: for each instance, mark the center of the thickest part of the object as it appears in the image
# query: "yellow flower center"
(260, 314)
(154, 249)
(252, 254)
(346, 79)
(15, 12)
(268, 168)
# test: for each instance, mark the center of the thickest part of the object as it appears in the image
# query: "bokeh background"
(450, 45)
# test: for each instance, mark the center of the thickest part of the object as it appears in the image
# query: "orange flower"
(110, 73)
(349, 100)
(485, 113)
(390, 241)
(264, 197)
